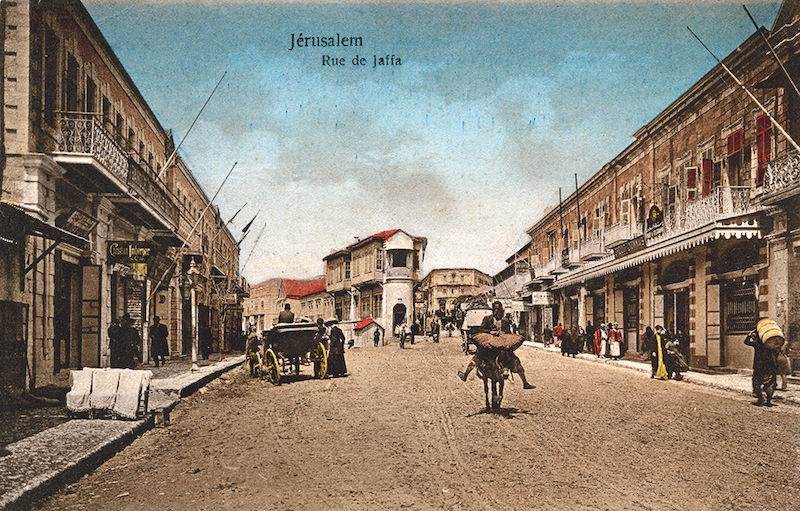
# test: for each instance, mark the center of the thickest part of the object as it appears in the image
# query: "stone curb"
(41, 464)
(688, 377)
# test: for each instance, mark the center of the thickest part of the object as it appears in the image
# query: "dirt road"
(404, 432)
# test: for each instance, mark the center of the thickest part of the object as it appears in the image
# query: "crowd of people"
(607, 341)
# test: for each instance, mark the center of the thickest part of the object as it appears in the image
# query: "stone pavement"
(51, 458)
(740, 383)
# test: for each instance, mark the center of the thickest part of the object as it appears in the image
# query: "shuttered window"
(764, 144)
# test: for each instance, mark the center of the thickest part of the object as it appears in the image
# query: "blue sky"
(493, 108)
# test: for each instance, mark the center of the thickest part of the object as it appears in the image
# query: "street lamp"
(190, 281)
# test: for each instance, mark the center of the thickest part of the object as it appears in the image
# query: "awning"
(664, 248)
(15, 220)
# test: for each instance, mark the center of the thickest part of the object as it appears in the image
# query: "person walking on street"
(674, 362)
(660, 367)
(435, 331)
(557, 331)
(158, 341)
(547, 335)
(600, 341)
(376, 337)
(336, 362)
(765, 369)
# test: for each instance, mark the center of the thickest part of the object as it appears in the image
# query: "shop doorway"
(67, 316)
(398, 315)
(739, 317)
(599, 309)
(630, 317)
(186, 327)
(676, 317)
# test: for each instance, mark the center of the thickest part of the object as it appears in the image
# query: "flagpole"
(772, 50)
(254, 248)
(191, 232)
(740, 84)
(175, 151)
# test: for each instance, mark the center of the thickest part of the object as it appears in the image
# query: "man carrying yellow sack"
(766, 340)
(496, 335)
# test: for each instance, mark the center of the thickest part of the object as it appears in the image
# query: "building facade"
(375, 277)
(443, 287)
(261, 307)
(93, 226)
(691, 226)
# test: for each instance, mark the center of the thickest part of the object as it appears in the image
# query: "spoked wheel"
(320, 358)
(270, 368)
(256, 365)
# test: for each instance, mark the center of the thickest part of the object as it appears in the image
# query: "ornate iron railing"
(87, 137)
(723, 202)
(782, 174)
(152, 192)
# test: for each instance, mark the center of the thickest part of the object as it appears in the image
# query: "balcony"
(723, 202)
(83, 145)
(153, 194)
(85, 142)
(618, 234)
(398, 272)
(781, 179)
(593, 248)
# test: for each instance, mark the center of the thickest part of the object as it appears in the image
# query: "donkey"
(492, 365)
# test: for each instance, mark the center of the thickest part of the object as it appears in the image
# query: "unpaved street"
(404, 432)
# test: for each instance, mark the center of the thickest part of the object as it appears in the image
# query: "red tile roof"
(300, 288)
(363, 323)
(385, 235)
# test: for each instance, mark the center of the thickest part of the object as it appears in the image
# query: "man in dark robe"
(126, 346)
(336, 362)
(158, 341)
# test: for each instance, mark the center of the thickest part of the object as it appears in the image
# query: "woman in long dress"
(661, 368)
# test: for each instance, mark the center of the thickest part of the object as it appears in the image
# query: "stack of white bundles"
(131, 401)
(104, 389)
(78, 397)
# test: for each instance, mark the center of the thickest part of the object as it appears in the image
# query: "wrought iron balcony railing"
(86, 137)
(152, 192)
(782, 175)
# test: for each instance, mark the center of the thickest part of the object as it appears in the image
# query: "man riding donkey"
(496, 344)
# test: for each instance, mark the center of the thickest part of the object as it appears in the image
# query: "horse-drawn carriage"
(471, 326)
(285, 347)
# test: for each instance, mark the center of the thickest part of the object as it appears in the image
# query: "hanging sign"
(655, 222)
(128, 252)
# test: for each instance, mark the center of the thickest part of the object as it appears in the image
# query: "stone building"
(297, 293)
(92, 224)
(261, 307)
(690, 226)
(375, 277)
(443, 286)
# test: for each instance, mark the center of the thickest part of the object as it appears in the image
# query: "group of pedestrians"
(663, 350)
(124, 342)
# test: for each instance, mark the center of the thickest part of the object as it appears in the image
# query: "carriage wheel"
(270, 368)
(320, 358)
(256, 365)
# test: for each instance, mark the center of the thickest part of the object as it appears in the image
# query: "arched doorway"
(398, 315)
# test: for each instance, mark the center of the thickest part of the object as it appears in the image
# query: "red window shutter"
(764, 144)
(735, 142)
(708, 176)
(691, 177)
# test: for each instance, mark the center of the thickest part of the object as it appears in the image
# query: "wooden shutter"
(708, 176)
(764, 144)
